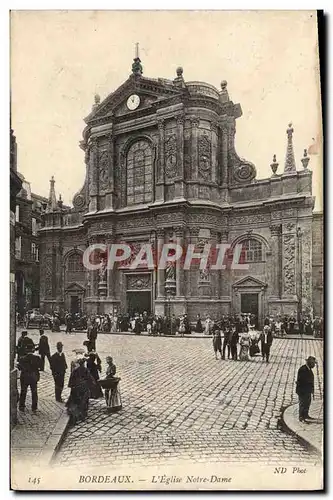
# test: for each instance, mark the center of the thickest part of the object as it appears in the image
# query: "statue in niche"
(170, 272)
(102, 270)
(204, 275)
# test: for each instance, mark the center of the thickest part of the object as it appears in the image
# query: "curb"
(55, 439)
(287, 416)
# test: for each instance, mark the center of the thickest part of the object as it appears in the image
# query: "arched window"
(252, 250)
(139, 173)
(75, 264)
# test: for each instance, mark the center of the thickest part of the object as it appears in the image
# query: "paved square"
(179, 403)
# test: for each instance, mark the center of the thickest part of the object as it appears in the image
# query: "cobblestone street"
(179, 402)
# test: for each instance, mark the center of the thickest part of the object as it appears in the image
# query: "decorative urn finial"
(97, 101)
(179, 71)
(60, 202)
(305, 160)
(274, 165)
(179, 80)
(224, 95)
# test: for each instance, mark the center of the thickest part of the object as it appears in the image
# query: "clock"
(133, 102)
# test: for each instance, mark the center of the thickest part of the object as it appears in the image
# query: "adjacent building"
(161, 166)
(15, 186)
(29, 209)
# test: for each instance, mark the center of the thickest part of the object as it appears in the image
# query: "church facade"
(161, 166)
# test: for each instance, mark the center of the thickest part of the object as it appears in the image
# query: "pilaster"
(160, 272)
(161, 161)
(110, 194)
(289, 261)
(179, 264)
(195, 158)
(179, 181)
(276, 267)
(93, 175)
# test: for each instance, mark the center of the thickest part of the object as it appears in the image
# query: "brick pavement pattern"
(180, 403)
(32, 431)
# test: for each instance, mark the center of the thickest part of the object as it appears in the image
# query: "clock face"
(133, 102)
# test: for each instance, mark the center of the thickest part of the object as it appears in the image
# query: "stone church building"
(161, 166)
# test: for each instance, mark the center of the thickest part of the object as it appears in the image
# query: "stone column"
(160, 161)
(304, 236)
(224, 159)
(224, 274)
(160, 272)
(111, 273)
(93, 175)
(179, 181)
(179, 264)
(214, 162)
(93, 275)
(110, 194)
(276, 260)
(194, 148)
(191, 274)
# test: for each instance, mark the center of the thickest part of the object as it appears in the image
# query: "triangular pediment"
(249, 281)
(149, 91)
(75, 287)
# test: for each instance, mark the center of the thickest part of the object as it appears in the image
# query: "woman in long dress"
(245, 342)
(80, 382)
(207, 326)
(254, 340)
(94, 367)
(182, 326)
(199, 328)
(111, 384)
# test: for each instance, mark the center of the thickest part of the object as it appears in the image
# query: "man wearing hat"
(266, 342)
(44, 348)
(58, 366)
(23, 344)
(305, 388)
(29, 365)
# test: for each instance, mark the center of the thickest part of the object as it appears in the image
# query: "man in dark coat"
(233, 344)
(217, 342)
(305, 388)
(58, 366)
(44, 349)
(24, 343)
(92, 335)
(29, 365)
(187, 325)
(227, 341)
(266, 342)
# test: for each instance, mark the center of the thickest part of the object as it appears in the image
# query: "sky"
(60, 59)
